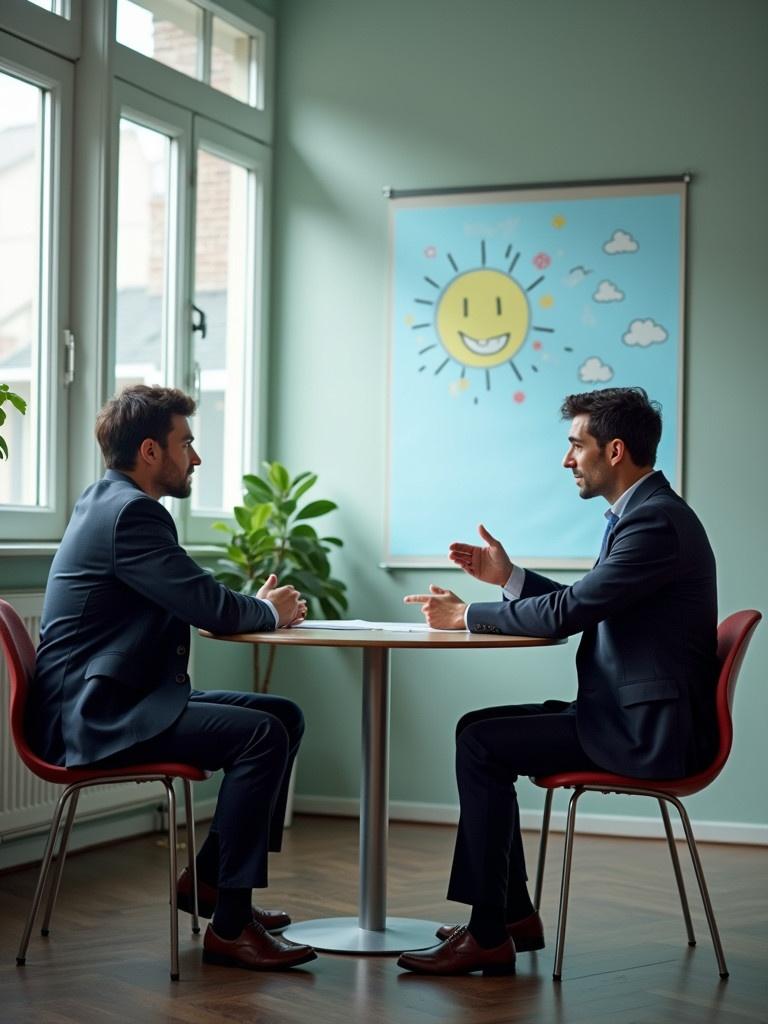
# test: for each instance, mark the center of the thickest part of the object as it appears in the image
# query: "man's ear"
(616, 451)
(149, 451)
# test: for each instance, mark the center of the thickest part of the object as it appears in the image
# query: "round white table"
(372, 931)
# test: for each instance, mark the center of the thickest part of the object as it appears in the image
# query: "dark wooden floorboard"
(626, 958)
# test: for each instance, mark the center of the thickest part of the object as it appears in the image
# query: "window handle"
(199, 321)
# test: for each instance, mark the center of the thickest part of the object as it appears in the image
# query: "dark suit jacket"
(114, 644)
(646, 662)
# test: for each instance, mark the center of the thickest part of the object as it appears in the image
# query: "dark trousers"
(493, 747)
(254, 738)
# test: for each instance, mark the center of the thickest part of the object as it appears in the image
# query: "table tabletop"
(389, 638)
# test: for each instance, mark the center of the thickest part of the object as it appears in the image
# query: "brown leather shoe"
(527, 933)
(255, 950)
(460, 954)
(271, 920)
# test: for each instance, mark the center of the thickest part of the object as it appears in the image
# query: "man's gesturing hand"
(290, 608)
(490, 563)
(442, 608)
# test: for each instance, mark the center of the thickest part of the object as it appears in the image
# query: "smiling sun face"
(482, 318)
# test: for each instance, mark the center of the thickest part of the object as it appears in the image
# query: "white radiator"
(26, 802)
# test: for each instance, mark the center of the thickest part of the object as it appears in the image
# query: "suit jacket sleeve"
(149, 559)
(642, 559)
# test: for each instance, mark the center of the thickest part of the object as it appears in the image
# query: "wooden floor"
(626, 961)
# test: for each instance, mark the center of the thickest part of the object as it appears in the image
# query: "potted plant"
(273, 536)
(6, 395)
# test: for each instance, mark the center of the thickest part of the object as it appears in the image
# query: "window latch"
(199, 321)
(69, 358)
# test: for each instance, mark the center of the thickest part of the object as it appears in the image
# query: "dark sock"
(232, 913)
(207, 860)
(487, 925)
(518, 906)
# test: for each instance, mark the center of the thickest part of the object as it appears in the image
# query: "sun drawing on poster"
(483, 316)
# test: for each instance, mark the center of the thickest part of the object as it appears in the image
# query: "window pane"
(231, 60)
(169, 31)
(142, 255)
(23, 323)
(221, 278)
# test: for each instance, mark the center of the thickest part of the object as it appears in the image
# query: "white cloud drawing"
(576, 276)
(620, 241)
(644, 333)
(594, 371)
(608, 292)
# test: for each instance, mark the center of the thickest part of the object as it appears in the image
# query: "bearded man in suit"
(111, 686)
(646, 667)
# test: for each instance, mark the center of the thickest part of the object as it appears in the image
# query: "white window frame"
(58, 33)
(215, 138)
(175, 122)
(104, 68)
(55, 75)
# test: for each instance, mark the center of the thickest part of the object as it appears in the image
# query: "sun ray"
(513, 264)
(482, 252)
(515, 370)
(535, 283)
(442, 366)
(487, 380)
(509, 250)
(419, 327)
(424, 302)
(452, 261)
(545, 330)
(423, 350)
(433, 283)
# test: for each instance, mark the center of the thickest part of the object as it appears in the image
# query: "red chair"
(20, 657)
(733, 636)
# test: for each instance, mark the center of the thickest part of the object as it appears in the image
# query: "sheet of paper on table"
(393, 627)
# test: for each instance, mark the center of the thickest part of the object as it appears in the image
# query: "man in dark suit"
(646, 668)
(111, 686)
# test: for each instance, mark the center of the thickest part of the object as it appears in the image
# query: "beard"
(174, 485)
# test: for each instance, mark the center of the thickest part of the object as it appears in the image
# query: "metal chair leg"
(172, 865)
(189, 810)
(542, 849)
(565, 884)
(42, 877)
(699, 870)
(58, 865)
(678, 873)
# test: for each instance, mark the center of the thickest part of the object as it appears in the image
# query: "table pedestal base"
(344, 935)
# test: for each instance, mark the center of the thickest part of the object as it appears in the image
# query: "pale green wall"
(419, 93)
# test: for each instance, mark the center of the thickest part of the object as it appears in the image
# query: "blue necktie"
(612, 520)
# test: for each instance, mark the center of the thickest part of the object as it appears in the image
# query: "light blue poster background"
(601, 277)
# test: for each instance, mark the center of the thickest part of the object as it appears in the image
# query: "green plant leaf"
(2, 417)
(243, 517)
(259, 516)
(222, 527)
(258, 487)
(316, 508)
(309, 482)
(286, 508)
(333, 540)
(18, 402)
(3, 449)
(304, 530)
(278, 476)
(329, 609)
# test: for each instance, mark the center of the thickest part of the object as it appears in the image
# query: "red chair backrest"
(733, 636)
(19, 654)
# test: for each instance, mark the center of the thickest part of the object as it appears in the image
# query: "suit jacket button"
(181, 650)
(181, 678)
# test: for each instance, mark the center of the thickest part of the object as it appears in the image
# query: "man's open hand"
(441, 608)
(290, 607)
(489, 563)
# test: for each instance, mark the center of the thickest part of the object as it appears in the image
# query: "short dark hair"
(625, 413)
(136, 413)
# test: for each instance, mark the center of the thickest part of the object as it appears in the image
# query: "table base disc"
(344, 935)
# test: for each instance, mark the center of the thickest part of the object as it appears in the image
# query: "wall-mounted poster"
(503, 301)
